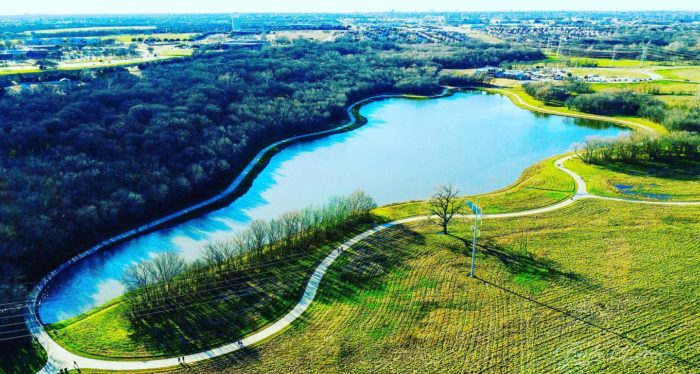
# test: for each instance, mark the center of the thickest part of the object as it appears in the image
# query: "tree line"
(579, 95)
(641, 147)
(552, 93)
(166, 280)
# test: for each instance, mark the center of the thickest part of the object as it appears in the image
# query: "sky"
(229, 6)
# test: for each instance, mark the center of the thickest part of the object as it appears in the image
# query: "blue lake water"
(478, 141)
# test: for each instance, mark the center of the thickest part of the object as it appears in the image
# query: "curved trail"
(59, 357)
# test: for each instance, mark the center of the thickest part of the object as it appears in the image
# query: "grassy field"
(164, 53)
(610, 72)
(691, 73)
(679, 181)
(597, 286)
(658, 87)
(88, 29)
(600, 62)
(318, 35)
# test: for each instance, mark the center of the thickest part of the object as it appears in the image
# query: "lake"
(478, 141)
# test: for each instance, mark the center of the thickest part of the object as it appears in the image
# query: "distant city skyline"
(324, 6)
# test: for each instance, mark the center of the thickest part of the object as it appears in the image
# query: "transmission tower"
(548, 45)
(559, 47)
(613, 53)
(644, 53)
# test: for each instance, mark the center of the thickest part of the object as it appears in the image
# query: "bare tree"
(444, 204)
(165, 267)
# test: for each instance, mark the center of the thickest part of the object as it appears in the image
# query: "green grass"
(88, 29)
(164, 54)
(599, 286)
(678, 181)
(691, 73)
(175, 52)
(601, 62)
(609, 72)
(671, 92)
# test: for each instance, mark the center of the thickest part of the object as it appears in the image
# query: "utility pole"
(559, 47)
(476, 210)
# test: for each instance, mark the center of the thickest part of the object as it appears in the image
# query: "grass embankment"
(246, 302)
(691, 73)
(597, 286)
(678, 181)
(539, 185)
(634, 123)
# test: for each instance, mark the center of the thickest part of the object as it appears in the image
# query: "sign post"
(477, 211)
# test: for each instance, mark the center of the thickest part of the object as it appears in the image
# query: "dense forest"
(79, 164)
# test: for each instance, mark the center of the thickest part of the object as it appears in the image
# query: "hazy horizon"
(82, 7)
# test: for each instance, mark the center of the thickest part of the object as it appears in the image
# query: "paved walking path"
(59, 357)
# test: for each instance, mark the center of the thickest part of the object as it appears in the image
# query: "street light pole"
(475, 209)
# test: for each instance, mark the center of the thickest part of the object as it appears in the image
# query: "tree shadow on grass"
(232, 361)
(522, 263)
(366, 266)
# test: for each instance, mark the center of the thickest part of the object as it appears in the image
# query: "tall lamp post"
(477, 211)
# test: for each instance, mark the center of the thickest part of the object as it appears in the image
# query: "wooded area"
(640, 147)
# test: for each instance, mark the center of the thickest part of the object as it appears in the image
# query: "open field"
(605, 62)
(163, 54)
(669, 91)
(611, 72)
(318, 35)
(597, 286)
(679, 181)
(87, 29)
(481, 36)
(658, 87)
(691, 73)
